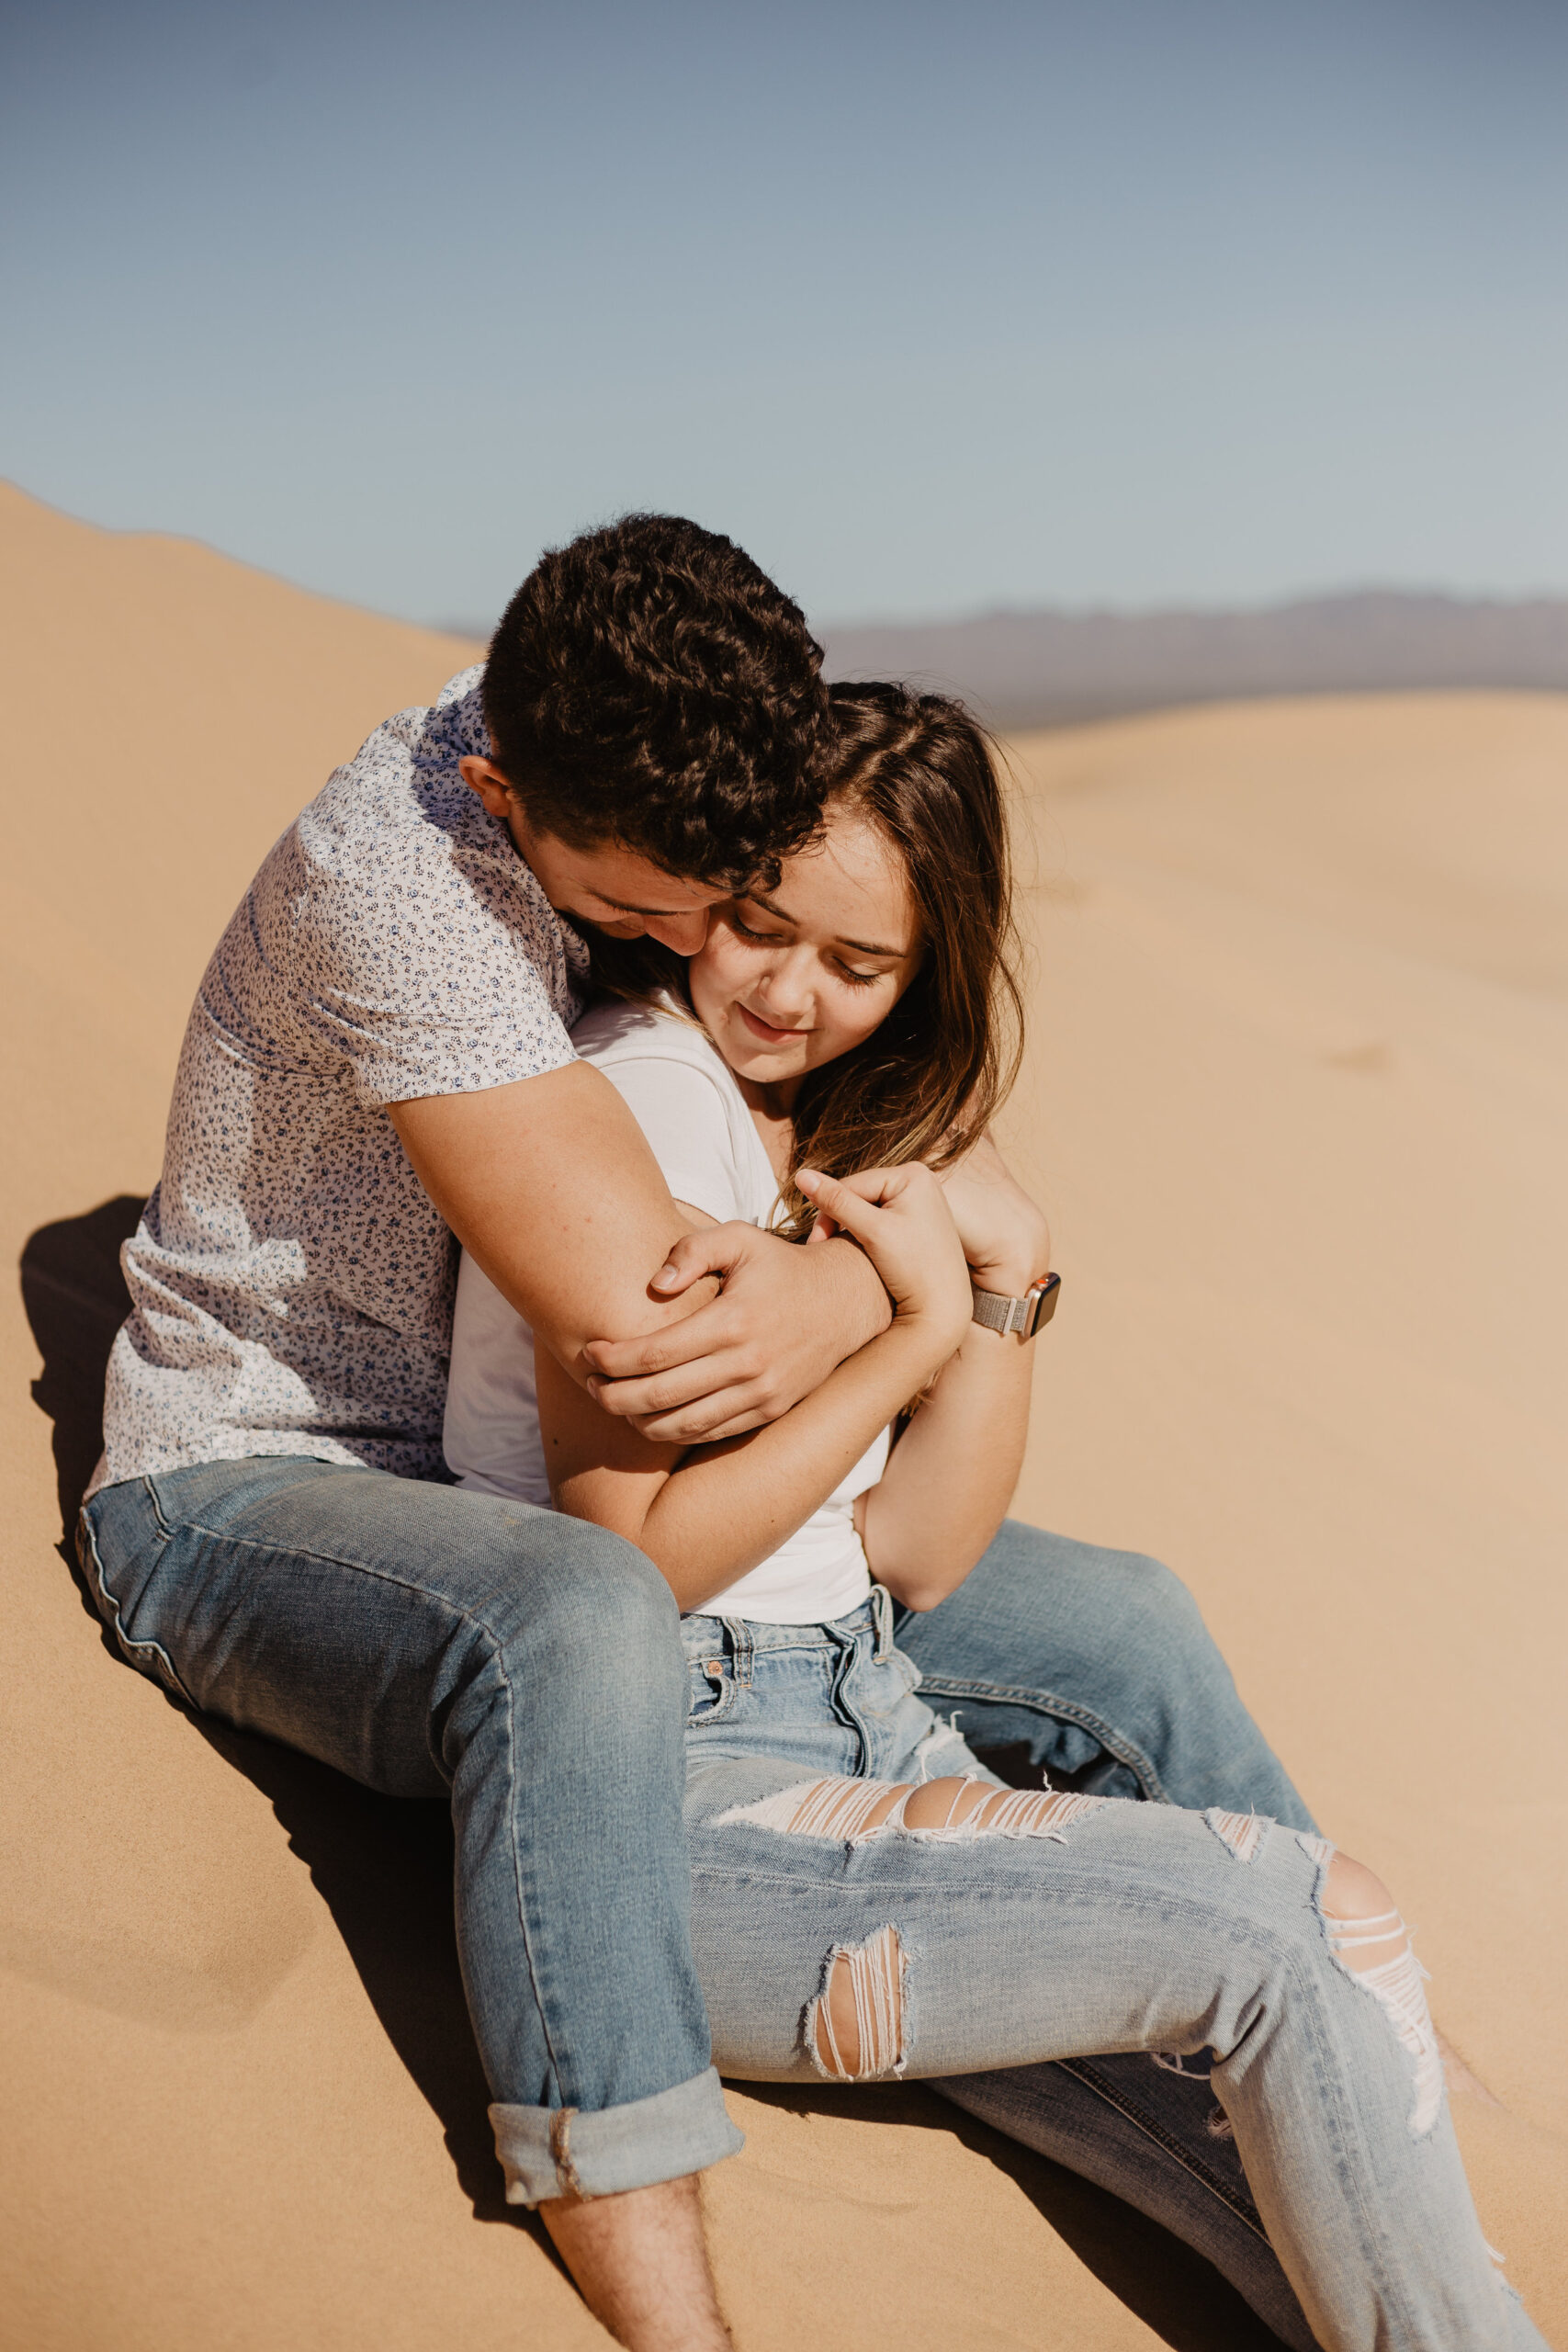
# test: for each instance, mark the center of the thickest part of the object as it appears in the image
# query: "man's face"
(609, 887)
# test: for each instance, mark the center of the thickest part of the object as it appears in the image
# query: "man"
(377, 1058)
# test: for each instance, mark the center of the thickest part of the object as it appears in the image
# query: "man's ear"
(485, 778)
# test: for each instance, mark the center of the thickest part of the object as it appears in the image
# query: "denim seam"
(1083, 2071)
(1042, 1702)
(742, 1652)
(849, 1715)
(165, 1526)
(520, 1877)
(463, 1616)
(1161, 1901)
(1310, 1989)
(1350, 2178)
(128, 1641)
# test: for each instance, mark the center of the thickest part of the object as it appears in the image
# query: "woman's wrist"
(857, 1289)
(1010, 1276)
(919, 1344)
(1014, 1255)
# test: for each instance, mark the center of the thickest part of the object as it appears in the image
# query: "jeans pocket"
(880, 1686)
(710, 1690)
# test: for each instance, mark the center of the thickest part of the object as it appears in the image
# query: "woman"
(869, 1899)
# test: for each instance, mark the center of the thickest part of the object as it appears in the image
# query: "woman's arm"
(704, 1518)
(948, 1486)
(551, 1186)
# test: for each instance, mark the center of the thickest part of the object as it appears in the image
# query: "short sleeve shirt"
(291, 1283)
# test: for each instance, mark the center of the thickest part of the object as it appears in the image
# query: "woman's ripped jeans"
(870, 1902)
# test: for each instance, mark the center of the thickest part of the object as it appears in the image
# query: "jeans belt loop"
(742, 1649)
(882, 1611)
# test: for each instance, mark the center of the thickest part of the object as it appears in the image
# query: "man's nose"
(684, 932)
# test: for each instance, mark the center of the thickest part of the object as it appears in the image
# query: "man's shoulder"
(401, 797)
(396, 870)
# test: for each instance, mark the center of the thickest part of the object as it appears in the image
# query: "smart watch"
(1023, 1315)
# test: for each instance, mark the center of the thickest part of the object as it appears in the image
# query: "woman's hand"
(952, 1477)
(1006, 1239)
(902, 1220)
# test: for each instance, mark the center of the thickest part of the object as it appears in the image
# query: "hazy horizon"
(1196, 608)
(1332, 593)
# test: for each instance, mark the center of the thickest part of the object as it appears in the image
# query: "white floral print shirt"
(291, 1284)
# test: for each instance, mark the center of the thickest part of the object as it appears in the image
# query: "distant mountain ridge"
(1049, 667)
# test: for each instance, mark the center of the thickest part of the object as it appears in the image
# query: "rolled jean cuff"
(561, 2152)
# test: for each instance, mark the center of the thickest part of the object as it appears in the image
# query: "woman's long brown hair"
(930, 1077)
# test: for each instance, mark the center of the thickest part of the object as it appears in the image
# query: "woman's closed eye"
(745, 931)
(841, 970)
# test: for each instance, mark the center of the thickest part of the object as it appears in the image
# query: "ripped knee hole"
(847, 1809)
(1371, 1941)
(854, 2029)
(1363, 1920)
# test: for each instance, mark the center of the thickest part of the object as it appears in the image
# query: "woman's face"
(795, 978)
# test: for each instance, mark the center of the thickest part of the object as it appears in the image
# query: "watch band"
(1023, 1315)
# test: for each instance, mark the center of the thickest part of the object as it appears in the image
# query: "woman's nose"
(786, 985)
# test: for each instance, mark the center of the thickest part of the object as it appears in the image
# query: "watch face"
(1047, 1295)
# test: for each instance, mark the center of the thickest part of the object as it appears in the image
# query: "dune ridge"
(1054, 667)
(1294, 1100)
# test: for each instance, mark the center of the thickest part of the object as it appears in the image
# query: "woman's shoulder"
(614, 1032)
(684, 1097)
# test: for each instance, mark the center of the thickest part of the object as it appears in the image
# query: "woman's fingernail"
(664, 1277)
(592, 1385)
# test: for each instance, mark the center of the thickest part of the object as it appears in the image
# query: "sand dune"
(1295, 1100)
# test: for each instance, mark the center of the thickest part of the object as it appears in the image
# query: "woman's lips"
(764, 1030)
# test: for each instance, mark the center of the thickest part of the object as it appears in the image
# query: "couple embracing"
(657, 1521)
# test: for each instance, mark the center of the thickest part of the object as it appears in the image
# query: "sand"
(1294, 1100)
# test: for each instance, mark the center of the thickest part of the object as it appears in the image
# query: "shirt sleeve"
(682, 1112)
(429, 978)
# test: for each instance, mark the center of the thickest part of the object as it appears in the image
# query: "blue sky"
(1124, 302)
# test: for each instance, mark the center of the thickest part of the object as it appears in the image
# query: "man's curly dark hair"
(649, 686)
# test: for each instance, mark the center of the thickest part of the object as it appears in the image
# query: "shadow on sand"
(383, 1867)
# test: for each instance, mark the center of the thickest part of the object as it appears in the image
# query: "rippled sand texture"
(1296, 1100)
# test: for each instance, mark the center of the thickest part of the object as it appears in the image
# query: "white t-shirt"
(685, 1098)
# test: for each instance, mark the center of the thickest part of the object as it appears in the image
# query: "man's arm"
(705, 1516)
(551, 1186)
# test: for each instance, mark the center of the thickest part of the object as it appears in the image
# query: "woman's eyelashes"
(780, 939)
(745, 931)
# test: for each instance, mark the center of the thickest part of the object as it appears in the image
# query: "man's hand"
(784, 1318)
(550, 1184)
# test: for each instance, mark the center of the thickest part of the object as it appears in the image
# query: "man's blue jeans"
(432, 1642)
(1098, 1664)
